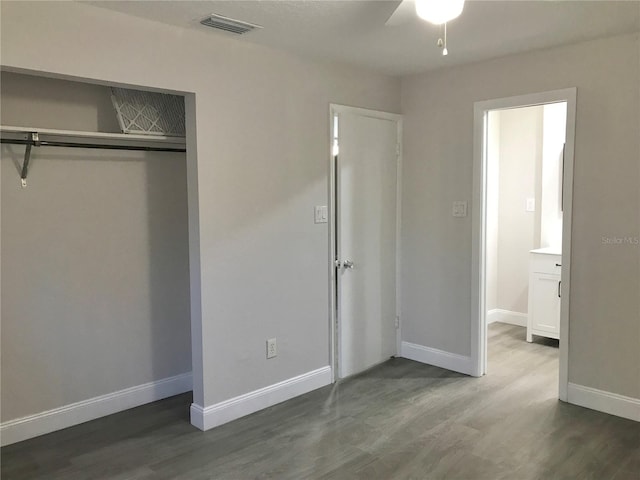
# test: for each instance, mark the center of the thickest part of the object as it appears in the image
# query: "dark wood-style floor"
(401, 420)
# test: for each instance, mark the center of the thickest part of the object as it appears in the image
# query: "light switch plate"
(320, 214)
(459, 209)
(531, 204)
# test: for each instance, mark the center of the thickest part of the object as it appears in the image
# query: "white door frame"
(334, 332)
(478, 267)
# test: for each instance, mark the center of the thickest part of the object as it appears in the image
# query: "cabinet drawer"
(545, 263)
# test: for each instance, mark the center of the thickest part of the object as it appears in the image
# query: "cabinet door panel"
(545, 302)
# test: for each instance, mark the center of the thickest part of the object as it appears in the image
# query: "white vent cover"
(149, 113)
(228, 24)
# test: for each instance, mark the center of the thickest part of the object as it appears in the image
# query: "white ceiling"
(354, 31)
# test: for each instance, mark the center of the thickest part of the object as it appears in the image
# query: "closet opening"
(96, 310)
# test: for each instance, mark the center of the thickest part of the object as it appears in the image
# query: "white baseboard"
(234, 408)
(31, 426)
(607, 402)
(439, 358)
(507, 316)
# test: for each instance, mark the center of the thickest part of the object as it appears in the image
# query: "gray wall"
(519, 140)
(95, 277)
(493, 204)
(261, 166)
(30, 101)
(518, 230)
(258, 262)
(438, 151)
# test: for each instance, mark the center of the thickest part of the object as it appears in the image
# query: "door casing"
(335, 109)
(479, 215)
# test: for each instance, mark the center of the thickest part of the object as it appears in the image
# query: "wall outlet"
(272, 348)
(459, 209)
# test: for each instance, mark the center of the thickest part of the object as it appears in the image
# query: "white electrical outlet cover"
(272, 348)
(459, 209)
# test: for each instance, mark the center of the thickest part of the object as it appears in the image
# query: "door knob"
(345, 264)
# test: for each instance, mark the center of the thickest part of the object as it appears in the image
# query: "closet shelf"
(46, 137)
(10, 132)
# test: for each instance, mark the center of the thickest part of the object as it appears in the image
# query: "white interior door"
(366, 210)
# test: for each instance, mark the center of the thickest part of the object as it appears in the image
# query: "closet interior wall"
(95, 268)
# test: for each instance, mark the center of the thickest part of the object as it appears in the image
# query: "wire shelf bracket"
(35, 140)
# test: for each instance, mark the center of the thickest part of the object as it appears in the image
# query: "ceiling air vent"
(228, 24)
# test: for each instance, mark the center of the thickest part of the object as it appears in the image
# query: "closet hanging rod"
(26, 130)
(33, 137)
(103, 146)
(82, 139)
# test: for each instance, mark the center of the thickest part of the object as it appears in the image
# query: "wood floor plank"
(400, 420)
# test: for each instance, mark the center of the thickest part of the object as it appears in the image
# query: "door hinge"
(397, 321)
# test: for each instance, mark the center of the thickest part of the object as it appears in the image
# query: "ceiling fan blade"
(405, 12)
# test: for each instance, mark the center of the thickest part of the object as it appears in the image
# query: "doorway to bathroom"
(524, 187)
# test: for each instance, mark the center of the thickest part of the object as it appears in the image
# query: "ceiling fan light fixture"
(439, 11)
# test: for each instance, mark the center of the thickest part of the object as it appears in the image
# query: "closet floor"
(399, 420)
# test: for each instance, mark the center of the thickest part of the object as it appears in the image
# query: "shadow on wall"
(95, 275)
(169, 293)
(59, 104)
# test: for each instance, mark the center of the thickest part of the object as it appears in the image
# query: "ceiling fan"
(437, 12)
